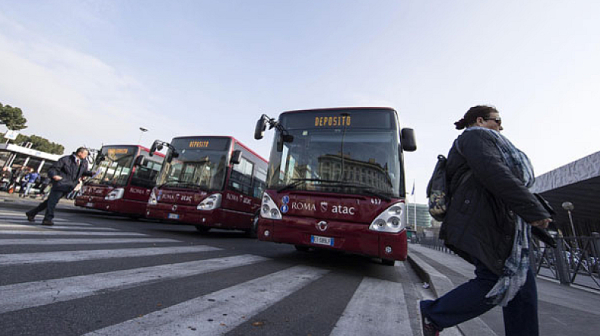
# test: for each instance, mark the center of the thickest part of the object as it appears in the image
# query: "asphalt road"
(105, 275)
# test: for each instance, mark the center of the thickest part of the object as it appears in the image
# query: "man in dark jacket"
(488, 223)
(65, 175)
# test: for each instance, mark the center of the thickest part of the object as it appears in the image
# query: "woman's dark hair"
(473, 113)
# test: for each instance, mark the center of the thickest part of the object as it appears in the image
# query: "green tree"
(12, 117)
(38, 143)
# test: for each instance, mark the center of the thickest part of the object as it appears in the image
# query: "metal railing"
(575, 260)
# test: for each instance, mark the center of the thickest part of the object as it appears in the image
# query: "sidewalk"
(563, 310)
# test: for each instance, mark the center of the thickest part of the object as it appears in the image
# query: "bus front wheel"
(253, 231)
(202, 229)
(388, 262)
(301, 248)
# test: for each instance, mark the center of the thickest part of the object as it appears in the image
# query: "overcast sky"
(93, 72)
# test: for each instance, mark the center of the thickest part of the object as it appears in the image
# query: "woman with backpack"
(488, 222)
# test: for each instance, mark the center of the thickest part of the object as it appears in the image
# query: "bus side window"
(241, 177)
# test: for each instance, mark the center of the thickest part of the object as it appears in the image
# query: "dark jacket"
(67, 168)
(480, 221)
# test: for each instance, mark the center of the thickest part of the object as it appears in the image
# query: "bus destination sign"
(324, 121)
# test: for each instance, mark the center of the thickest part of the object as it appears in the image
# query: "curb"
(440, 284)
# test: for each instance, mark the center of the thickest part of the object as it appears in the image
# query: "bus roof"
(224, 136)
(332, 109)
(138, 146)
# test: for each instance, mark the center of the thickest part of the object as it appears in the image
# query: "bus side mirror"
(171, 154)
(156, 146)
(261, 126)
(236, 157)
(407, 138)
(140, 160)
(99, 158)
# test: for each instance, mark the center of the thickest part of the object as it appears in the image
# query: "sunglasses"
(498, 120)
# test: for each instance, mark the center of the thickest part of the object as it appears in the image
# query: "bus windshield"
(115, 169)
(355, 153)
(201, 164)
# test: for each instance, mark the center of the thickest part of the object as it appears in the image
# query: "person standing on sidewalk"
(28, 181)
(488, 223)
(65, 174)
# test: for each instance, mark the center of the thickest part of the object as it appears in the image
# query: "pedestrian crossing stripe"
(84, 241)
(39, 293)
(50, 232)
(204, 315)
(71, 256)
(363, 314)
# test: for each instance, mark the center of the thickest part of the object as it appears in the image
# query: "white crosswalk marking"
(23, 219)
(74, 241)
(8, 221)
(51, 232)
(68, 256)
(192, 317)
(33, 294)
(377, 308)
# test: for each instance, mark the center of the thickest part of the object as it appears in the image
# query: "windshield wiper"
(335, 183)
(177, 184)
(297, 182)
(367, 189)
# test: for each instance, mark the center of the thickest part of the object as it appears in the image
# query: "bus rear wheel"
(301, 248)
(202, 229)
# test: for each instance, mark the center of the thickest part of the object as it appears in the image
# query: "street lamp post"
(569, 207)
(143, 130)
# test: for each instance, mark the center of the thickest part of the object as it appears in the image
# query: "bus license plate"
(173, 216)
(89, 205)
(321, 240)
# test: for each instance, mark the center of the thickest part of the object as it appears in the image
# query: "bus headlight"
(115, 194)
(152, 199)
(391, 220)
(210, 203)
(269, 208)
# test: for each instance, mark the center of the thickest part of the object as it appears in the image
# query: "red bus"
(208, 182)
(336, 180)
(125, 176)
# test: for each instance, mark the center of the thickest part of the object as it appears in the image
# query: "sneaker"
(429, 328)
(47, 222)
(30, 217)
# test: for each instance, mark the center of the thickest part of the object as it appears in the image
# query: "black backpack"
(437, 189)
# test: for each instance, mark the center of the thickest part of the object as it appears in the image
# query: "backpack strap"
(466, 174)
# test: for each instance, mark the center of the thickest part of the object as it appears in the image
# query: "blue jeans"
(468, 301)
(49, 204)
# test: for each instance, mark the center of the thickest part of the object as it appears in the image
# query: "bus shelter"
(573, 191)
(15, 156)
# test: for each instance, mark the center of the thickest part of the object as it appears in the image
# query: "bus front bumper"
(343, 236)
(121, 206)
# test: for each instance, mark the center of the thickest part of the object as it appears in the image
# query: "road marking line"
(39, 293)
(50, 232)
(376, 308)
(218, 312)
(73, 241)
(69, 256)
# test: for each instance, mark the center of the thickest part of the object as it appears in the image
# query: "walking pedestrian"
(488, 223)
(5, 178)
(28, 181)
(65, 175)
